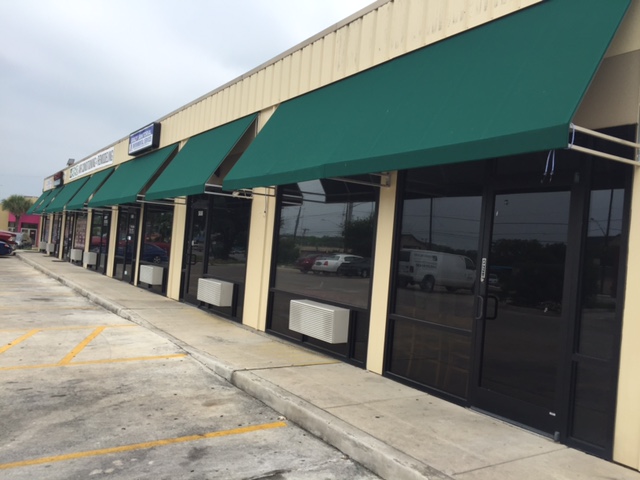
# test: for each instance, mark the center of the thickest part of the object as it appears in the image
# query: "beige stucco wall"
(382, 276)
(259, 250)
(178, 232)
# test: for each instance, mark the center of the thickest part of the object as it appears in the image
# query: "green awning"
(130, 178)
(507, 87)
(66, 194)
(37, 203)
(197, 161)
(39, 210)
(93, 184)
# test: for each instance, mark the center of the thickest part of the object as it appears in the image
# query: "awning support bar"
(630, 161)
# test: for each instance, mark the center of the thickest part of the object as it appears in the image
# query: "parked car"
(360, 268)
(8, 237)
(429, 268)
(5, 249)
(330, 263)
(153, 253)
(305, 263)
(23, 240)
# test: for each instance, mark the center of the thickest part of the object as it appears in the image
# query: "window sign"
(144, 139)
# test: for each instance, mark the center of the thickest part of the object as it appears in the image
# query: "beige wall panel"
(113, 233)
(268, 98)
(327, 59)
(627, 434)
(252, 87)
(234, 103)
(313, 56)
(614, 95)
(627, 38)
(296, 72)
(276, 81)
(352, 58)
(340, 54)
(381, 277)
(367, 40)
(177, 246)
(305, 70)
(120, 152)
(381, 42)
(285, 82)
(416, 25)
(398, 28)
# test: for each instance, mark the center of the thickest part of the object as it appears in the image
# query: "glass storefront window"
(325, 241)
(216, 247)
(435, 273)
(156, 247)
(80, 231)
(324, 254)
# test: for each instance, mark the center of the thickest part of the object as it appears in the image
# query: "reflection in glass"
(80, 231)
(324, 253)
(437, 253)
(528, 249)
(217, 240)
(595, 359)
(325, 241)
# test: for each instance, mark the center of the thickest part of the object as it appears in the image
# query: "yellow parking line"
(70, 327)
(94, 362)
(141, 446)
(18, 340)
(30, 308)
(81, 346)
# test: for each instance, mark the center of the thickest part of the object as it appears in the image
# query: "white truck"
(429, 269)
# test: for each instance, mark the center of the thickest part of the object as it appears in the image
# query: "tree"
(17, 205)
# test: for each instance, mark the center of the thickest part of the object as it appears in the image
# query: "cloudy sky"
(76, 75)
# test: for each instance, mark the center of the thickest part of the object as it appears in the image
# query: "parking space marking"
(18, 340)
(81, 346)
(94, 362)
(141, 446)
(47, 307)
(70, 327)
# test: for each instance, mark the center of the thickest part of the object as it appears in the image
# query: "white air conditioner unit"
(90, 258)
(75, 255)
(50, 248)
(151, 274)
(43, 246)
(215, 292)
(318, 320)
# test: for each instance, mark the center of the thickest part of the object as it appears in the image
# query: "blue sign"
(144, 139)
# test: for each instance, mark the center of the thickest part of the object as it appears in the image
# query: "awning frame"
(629, 161)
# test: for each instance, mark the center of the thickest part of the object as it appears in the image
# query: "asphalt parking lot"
(87, 394)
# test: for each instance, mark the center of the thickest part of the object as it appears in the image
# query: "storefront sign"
(58, 179)
(97, 162)
(144, 139)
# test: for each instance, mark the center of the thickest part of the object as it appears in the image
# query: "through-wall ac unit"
(89, 258)
(75, 255)
(151, 274)
(215, 292)
(50, 248)
(318, 320)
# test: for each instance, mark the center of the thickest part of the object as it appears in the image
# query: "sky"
(78, 75)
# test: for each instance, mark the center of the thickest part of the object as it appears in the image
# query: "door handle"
(495, 300)
(480, 307)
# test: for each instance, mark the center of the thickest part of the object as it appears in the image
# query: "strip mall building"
(480, 156)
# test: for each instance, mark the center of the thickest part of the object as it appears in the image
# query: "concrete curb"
(373, 454)
(365, 449)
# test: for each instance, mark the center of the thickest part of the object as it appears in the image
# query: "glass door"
(521, 320)
(194, 262)
(126, 249)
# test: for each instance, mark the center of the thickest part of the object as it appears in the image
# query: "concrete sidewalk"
(395, 431)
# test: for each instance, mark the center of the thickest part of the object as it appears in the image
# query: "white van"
(428, 269)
